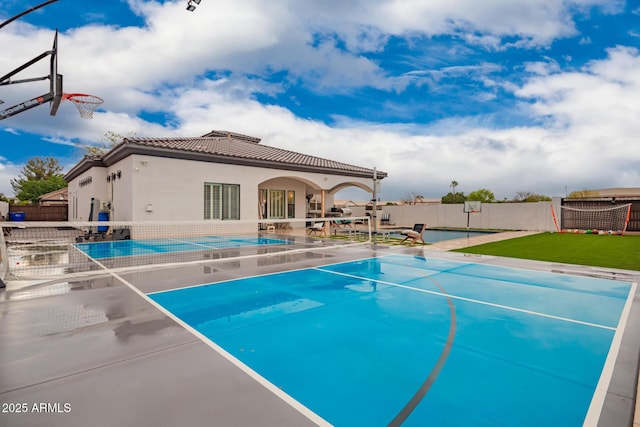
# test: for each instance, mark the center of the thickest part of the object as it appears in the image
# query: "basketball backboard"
(55, 79)
(54, 96)
(472, 206)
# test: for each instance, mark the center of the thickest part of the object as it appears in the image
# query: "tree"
(482, 195)
(109, 140)
(38, 176)
(32, 190)
(451, 198)
(528, 197)
(453, 186)
(412, 198)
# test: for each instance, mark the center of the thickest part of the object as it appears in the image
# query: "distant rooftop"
(56, 196)
(619, 192)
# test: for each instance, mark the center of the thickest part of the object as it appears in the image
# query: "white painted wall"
(119, 189)
(4, 210)
(157, 188)
(80, 197)
(498, 216)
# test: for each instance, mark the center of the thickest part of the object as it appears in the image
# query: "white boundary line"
(193, 244)
(246, 369)
(233, 238)
(258, 275)
(505, 307)
(597, 401)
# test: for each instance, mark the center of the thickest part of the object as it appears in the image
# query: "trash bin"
(16, 216)
(103, 216)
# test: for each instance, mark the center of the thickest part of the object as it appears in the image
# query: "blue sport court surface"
(125, 248)
(416, 341)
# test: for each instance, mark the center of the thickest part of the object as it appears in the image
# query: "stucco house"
(219, 176)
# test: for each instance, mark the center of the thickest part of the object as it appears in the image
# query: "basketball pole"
(10, 20)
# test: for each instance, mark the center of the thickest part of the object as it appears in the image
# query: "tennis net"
(48, 250)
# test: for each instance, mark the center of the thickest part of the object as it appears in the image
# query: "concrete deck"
(94, 352)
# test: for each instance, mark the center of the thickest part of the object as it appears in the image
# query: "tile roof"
(225, 147)
(237, 148)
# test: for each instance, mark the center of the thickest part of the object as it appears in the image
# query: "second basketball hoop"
(472, 206)
(86, 104)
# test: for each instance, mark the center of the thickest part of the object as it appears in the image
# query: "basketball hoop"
(86, 104)
(472, 206)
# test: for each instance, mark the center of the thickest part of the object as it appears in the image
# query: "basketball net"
(86, 104)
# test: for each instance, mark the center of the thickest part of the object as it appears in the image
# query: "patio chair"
(317, 227)
(414, 235)
(346, 212)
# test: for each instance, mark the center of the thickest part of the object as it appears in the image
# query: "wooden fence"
(42, 213)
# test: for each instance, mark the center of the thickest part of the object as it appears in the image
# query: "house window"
(291, 204)
(315, 205)
(221, 201)
(276, 203)
(263, 194)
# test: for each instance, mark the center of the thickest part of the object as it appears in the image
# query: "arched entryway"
(295, 197)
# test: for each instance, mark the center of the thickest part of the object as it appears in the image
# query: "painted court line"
(192, 244)
(153, 266)
(415, 400)
(505, 307)
(597, 402)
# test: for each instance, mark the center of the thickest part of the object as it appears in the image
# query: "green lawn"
(582, 249)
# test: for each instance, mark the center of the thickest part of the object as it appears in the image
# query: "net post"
(4, 258)
(374, 213)
(626, 221)
(555, 220)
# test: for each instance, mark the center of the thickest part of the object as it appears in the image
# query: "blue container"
(103, 216)
(16, 216)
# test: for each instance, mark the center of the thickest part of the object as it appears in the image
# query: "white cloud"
(254, 37)
(542, 68)
(8, 171)
(592, 113)
(590, 141)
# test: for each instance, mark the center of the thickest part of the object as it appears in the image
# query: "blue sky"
(513, 96)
